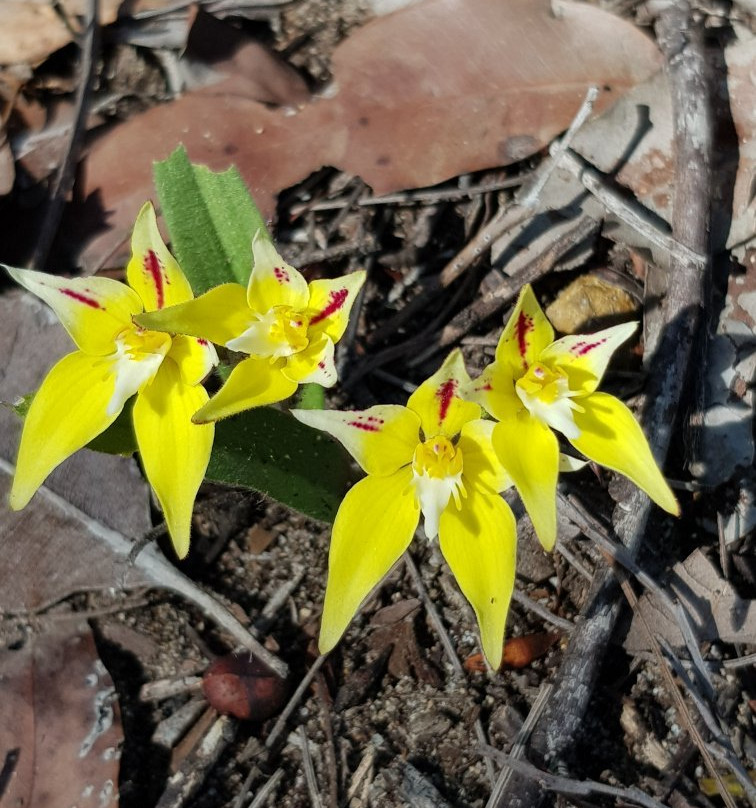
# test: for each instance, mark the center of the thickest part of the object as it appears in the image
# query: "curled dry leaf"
(519, 652)
(434, 90)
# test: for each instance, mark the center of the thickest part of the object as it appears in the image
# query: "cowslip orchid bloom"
(287, 327)
(536, 385)
(432, 458)
(86, 390)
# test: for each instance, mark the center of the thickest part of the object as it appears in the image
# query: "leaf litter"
(400, 700)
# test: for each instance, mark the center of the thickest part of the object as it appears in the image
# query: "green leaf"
(310, 397)
(119, 437)
(270, 451)
(211, 218)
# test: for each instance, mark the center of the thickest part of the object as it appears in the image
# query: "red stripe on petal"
(522, 329)
(445, 394)
(80, 298)
(367, 423)
(584, 347)
(336, 300)
(154, 269)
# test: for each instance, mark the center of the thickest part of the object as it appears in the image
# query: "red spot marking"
(522, 329)
(445, 394)
(487, 387)
(202, 341)
(321, 364)
(336, 300)
(582, 348)
(367, 423)
(80, 298)
(282, 276)
(364, 426)
(154, 268)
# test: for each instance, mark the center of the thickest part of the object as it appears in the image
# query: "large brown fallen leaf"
(434, 90)
(60, 723)
(715, 609)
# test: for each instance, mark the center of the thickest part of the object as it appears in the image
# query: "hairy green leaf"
(272, 452)
(211, 218)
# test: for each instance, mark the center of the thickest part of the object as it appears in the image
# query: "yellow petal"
(584, 357)
(219, 315)
(313, 365)
(374, 526)
(479, 542)
(93, 310)
(195, 358)
(273, 282)
(175, 452)
(611, 437)
(438, 403)
(68, 411)
(381, 439)
(529, 451)
(481, 465)
(525, 335)
(152, 271)
(330, 303)
(495, 391)
(252, 383)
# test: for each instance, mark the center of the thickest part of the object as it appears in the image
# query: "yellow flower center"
(289, 327)
(437, 477)
(546, 394)
(137, 358)
(437, 458)
(279, 332)
(543, 382)
(138, 344)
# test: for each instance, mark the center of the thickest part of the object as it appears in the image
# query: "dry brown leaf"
(715, 609)
(437, 89)
(60, 723)
(30, 30)
(44, 544)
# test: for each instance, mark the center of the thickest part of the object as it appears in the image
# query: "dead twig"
(280, 724)
(526, 201)
(163, 574)
(447, 645)
(309, 769)
(184, 783)
(64, 179)
(680, 39)
(568, 786)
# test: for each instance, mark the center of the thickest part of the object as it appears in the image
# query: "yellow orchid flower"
(86, 390)
(287, 327)
(433, 457)
(536, 385)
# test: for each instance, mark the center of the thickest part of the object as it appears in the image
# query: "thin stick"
(535, 607)
(309, 769)
(267, 790)
(280, 724)
(520, 741)
(681, 42)
(525, 202)
(64, 180)
(568, 786)
(161, 574)
(447, 644)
